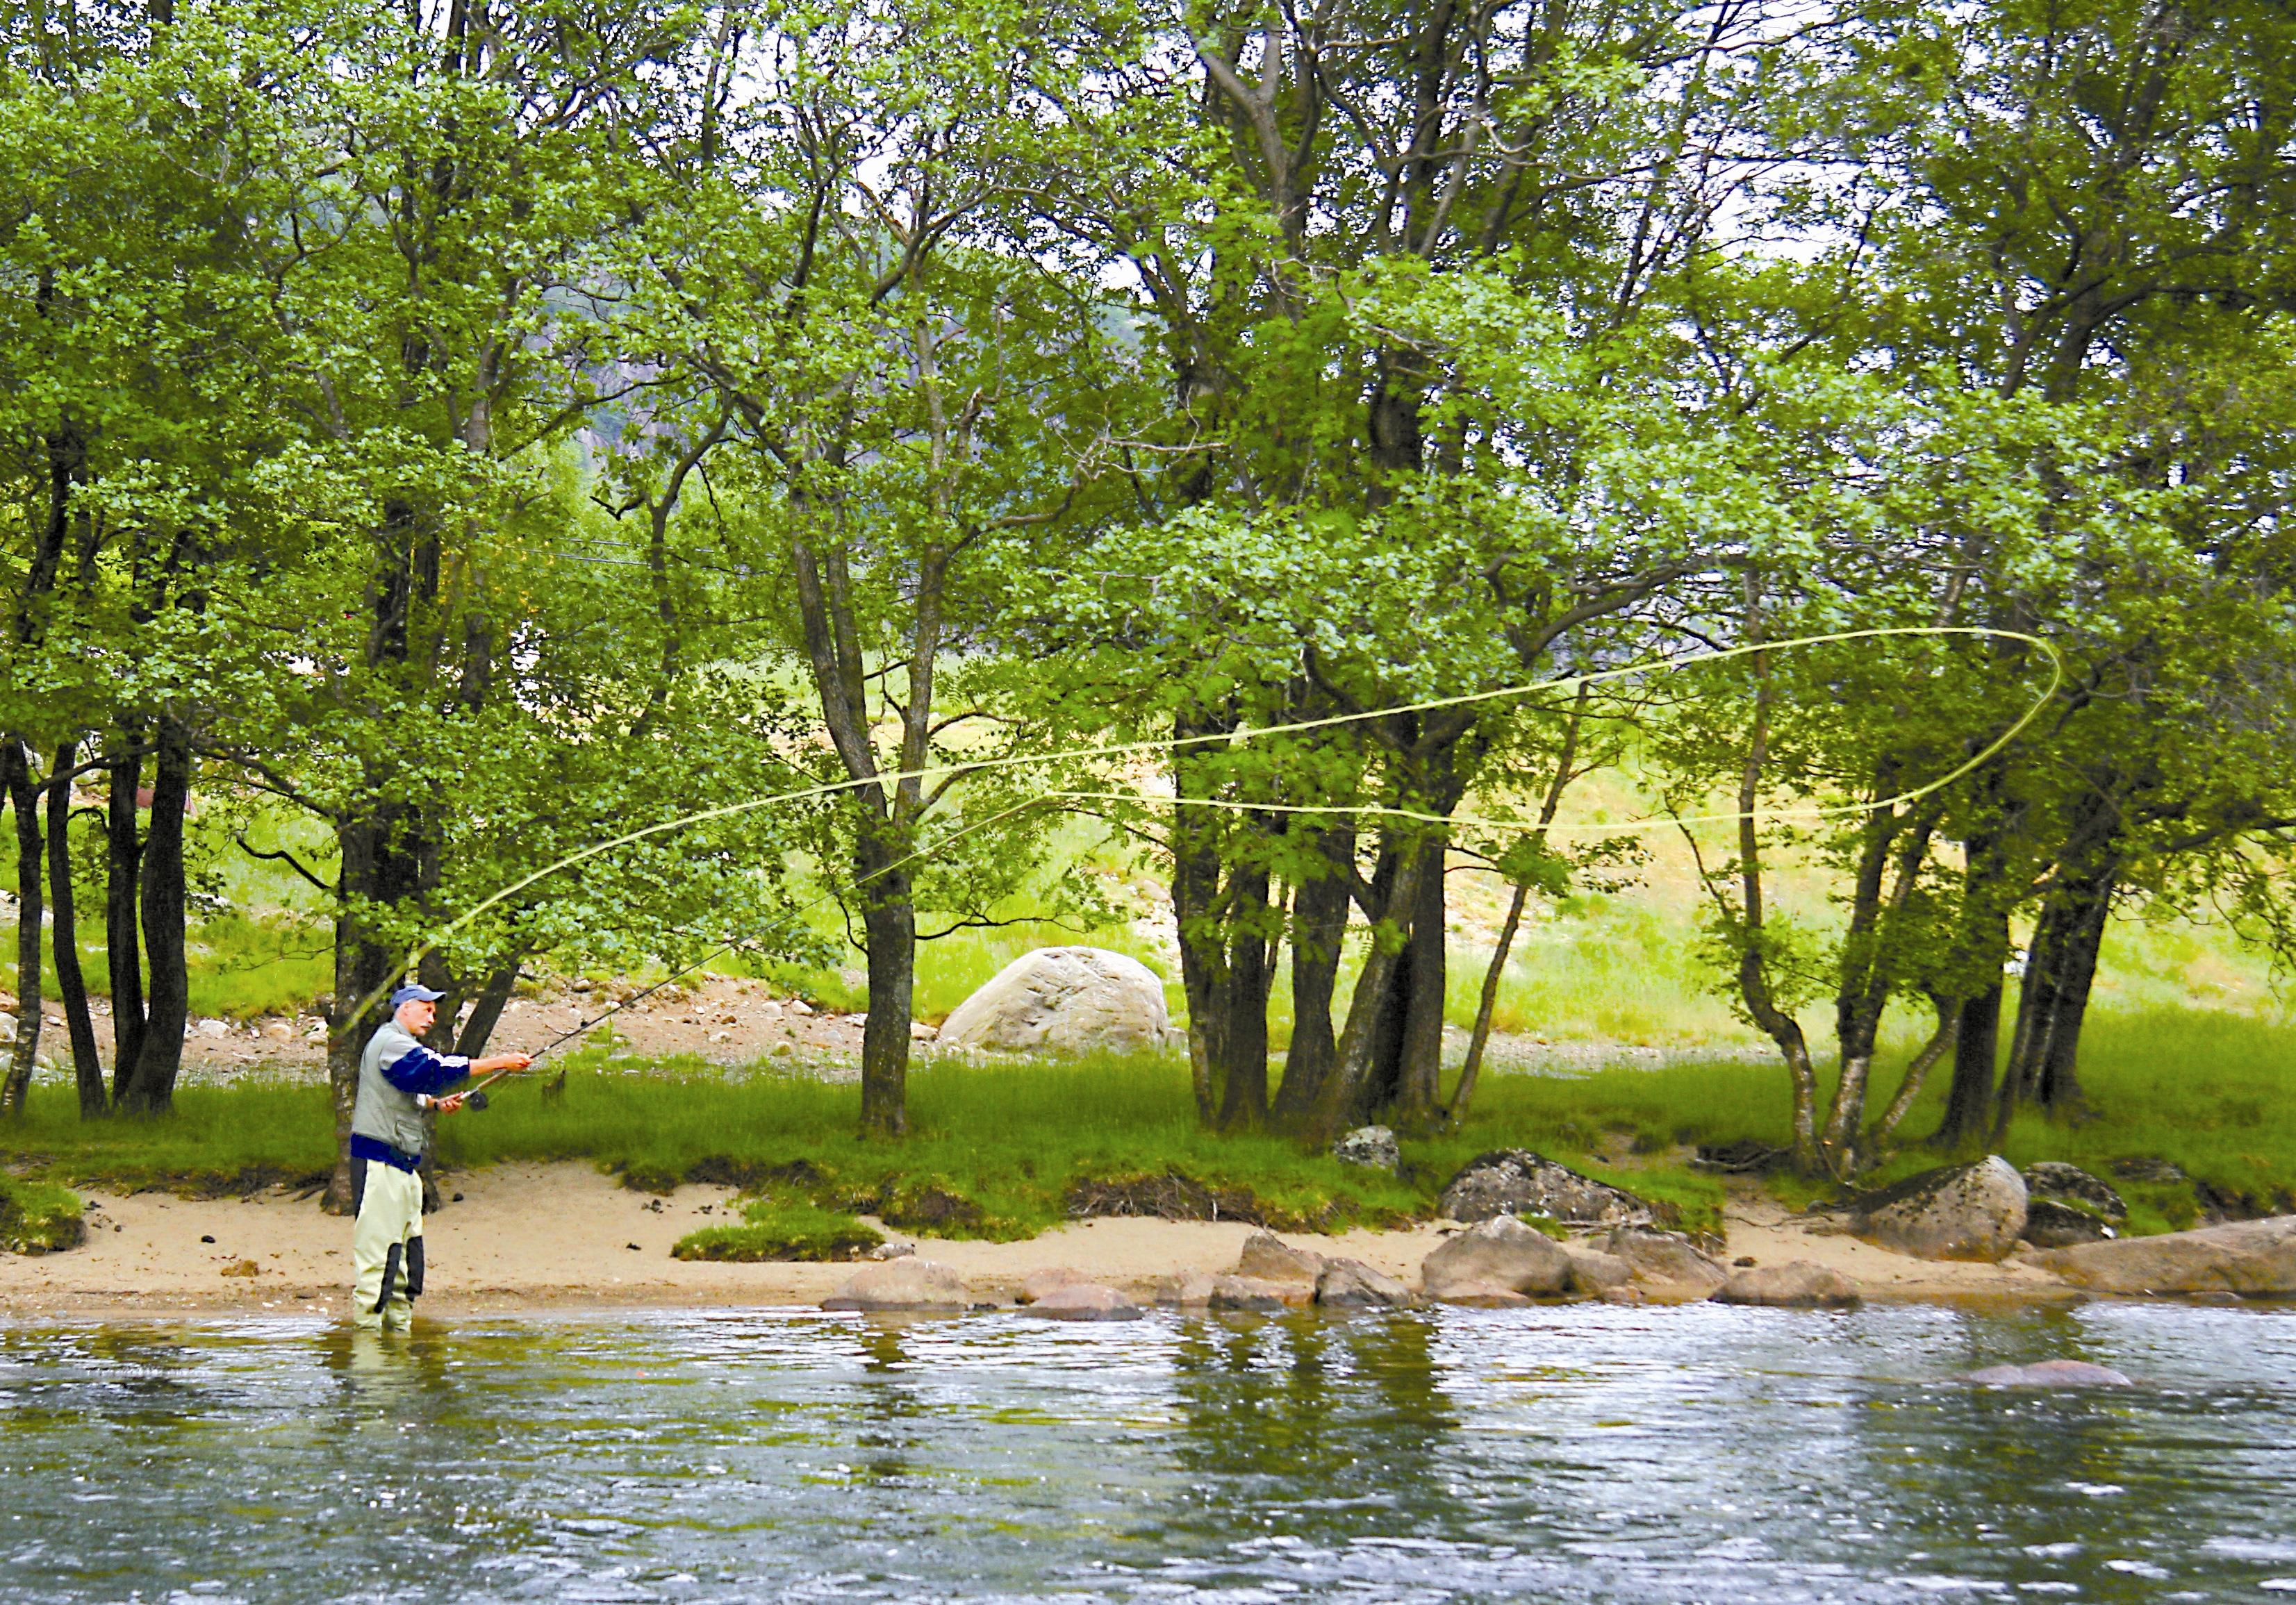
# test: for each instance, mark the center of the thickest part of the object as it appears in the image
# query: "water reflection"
(1582, 1454)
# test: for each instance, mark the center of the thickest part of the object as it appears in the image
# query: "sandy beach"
(566, 1236)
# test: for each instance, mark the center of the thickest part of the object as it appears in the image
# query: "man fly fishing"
(399, 1078)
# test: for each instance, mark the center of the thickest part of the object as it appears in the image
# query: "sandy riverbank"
(566, 1236)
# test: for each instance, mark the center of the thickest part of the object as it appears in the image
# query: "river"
(1589, 1453)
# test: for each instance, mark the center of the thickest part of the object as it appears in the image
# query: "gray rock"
(1038, 1285)
(2049, 1373)
(901, 1284)
(2070, 1183)
(1515, 1181)
(1593, 1271)
(1372, 1146)
(1268, 1258)
(1959, 1212)
(892, 1250)
(1797, 1285)
(1667, 1259)
(1066, 1000)
(1484, 1295)
(2052, 1223)
(7, 1026)
(1084, 1301)
(1191, 1291)
(2255, 1258)
(1253, 1295)
(1351, 1284)
(1501, 1253)
(2159, 1173)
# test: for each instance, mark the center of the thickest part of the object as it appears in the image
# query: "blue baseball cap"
(414, 992)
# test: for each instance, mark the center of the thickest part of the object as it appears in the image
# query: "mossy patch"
(39, 1217)
(782, 1229)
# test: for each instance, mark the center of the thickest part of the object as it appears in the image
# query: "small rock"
(1351, 1284)
(1626, 1295)
(1371, 1146)
(205, 1238)
(892, 1250)
(1592, 1272)
(2048, 1374)
(799, 1007)
(1515, 1181)
(2050, 1179)
(1501, 1253)
(1268, 1258)
(210, 1028)
(920, 1032)
(7, 1026)
(2050, 1224)
(1252, 1295)
(278, 1030)
(2151, 1171)
(1482, 1295)
(1084, 1301)
(1797, 1285)
(245, 1267)
(1667, 1259)
(901, 1284)
(1743, 1260)
(1956, 1212)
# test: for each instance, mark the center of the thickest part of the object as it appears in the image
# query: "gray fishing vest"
(382, 1111)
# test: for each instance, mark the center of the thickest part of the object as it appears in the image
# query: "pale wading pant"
(386, 1244)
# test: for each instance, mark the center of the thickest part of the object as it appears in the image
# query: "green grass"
(782, 1228)
(241, 968)
(38, 1217)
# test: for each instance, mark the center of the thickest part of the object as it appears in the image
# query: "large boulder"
(1974, 1211)
(1594, 1273)
(1500, 1255)
(1351, 1284)
(1517, 1182)
(1797, 1285)
(1667, 1261)
(2257, 1258)
(1065, 999)
(901, 1284)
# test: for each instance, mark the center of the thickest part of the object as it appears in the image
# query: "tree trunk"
(1917, 1073)
(151, 1089)
(1319, 926)
(1241, 997)
(1467, 1072)
(1418, 1102)
(1342, 1098)
(123, 948)
(71, 987)
(16, 779)
(1977, 1046)
(2059, 1080)
(2053, 1001)
(486, 1010)
(361, 969)
(889, 925)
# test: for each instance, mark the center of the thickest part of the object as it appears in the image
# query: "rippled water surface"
(1589, 1453)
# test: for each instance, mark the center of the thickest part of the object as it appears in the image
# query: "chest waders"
(386, 1243)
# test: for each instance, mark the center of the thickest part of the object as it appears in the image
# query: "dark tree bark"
(2053, 998)
(1976, 1050)
(1240, 998)
(889, 925)
(1342, 1098)
(486, 1010)
(71, 986)
(1319, 926)
(151, 1089)
(16, 779)
(123, 946)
